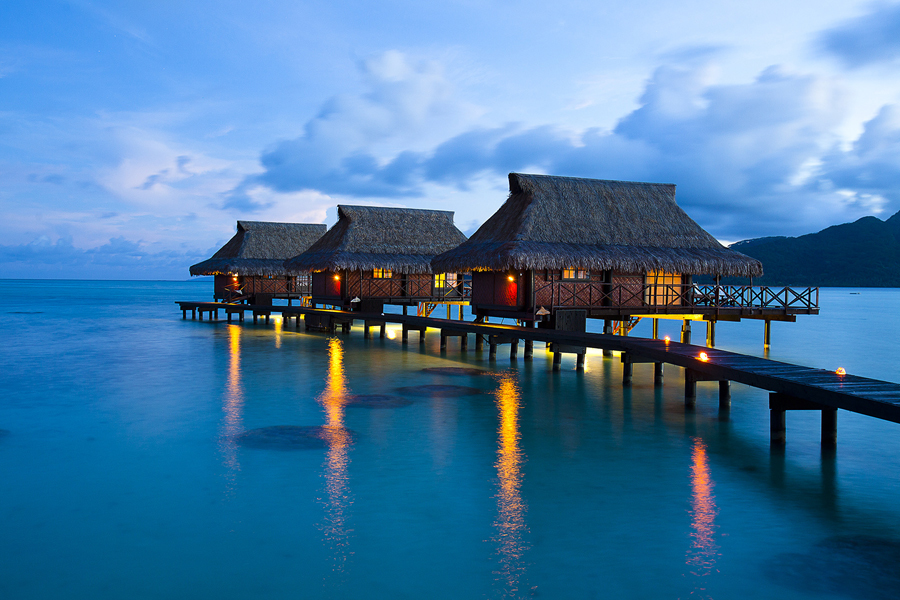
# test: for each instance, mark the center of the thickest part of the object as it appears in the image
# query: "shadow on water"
(861, 567)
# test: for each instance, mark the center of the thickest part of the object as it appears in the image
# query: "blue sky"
(134, 135)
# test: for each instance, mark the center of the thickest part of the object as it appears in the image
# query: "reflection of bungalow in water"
(608, 249)
(251, 265)
(381, 256)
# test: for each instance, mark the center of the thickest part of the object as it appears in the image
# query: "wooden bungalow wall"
(550, 290)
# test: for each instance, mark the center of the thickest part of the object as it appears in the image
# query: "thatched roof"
(260, 248)
(375, 237)
(558, 222)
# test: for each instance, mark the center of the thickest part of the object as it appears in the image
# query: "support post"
(686, 331)
(365, 330)
(557, 360)
(464, 342)
(492, 353)
(724, 395)
(776, 426)
(194, 314)
(579, 363)
(228, 316)
(690, 389)
(529, 349)
(421, 336)
(404, 337)
(608, 330)
(383, 328)
(627, 372)
(767, 335)
(658, 374)
(345, 327)
(711, 334)
(404, 309)
(829, 427)
(655, 329)
(514, 349)
(479, 342)
(443, 340)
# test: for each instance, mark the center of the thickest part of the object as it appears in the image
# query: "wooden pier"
(791, 387)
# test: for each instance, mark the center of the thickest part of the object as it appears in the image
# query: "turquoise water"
(125, 473)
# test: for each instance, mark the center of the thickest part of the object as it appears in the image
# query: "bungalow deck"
(791, 387)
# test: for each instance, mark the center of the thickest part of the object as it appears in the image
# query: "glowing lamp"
(841, 371)
(704, 356)
(511, 278)
(667, 339)
(337, 277)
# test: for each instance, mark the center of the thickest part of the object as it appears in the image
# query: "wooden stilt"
(557, 360)
(655, 329)
(492, 353)
(404, 309)
(464, 342)
(658, 374)
(829, 427)
(514, 350)
(767, 335)
(777, 426)
(579, 362)
(690, 389)
(404, 337)
(686, 331)
(608, 330)
(711, 334)
(383, 328)
(627, 373)
(479, 342)
(443, 340)
(529, 349)
(724, 395)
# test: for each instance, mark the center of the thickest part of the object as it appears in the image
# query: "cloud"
(869, 39)
(119, 258)
(868, 174)
(365, 145)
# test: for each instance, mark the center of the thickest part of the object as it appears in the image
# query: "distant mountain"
(865, 253)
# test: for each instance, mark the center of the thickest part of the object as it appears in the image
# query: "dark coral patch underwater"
(454, 371)
(439, 391)
(376, 401)
(294, 437)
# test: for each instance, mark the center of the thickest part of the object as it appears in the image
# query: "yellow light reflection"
(278, 325)
(510, 525)
(701, 557)
(233, 403)
(333, 400)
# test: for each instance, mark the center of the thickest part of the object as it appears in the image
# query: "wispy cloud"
(869, 39)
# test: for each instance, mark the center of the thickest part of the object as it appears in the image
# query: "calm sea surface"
(127, 469)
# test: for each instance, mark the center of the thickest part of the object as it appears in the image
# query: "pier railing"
(652, 297)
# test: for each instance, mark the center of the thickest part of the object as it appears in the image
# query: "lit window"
(382, 273)
(440, 280)
(574, 273)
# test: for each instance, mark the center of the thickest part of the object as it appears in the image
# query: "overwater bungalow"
(608, 249)
(250, 267)
(377, 255)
